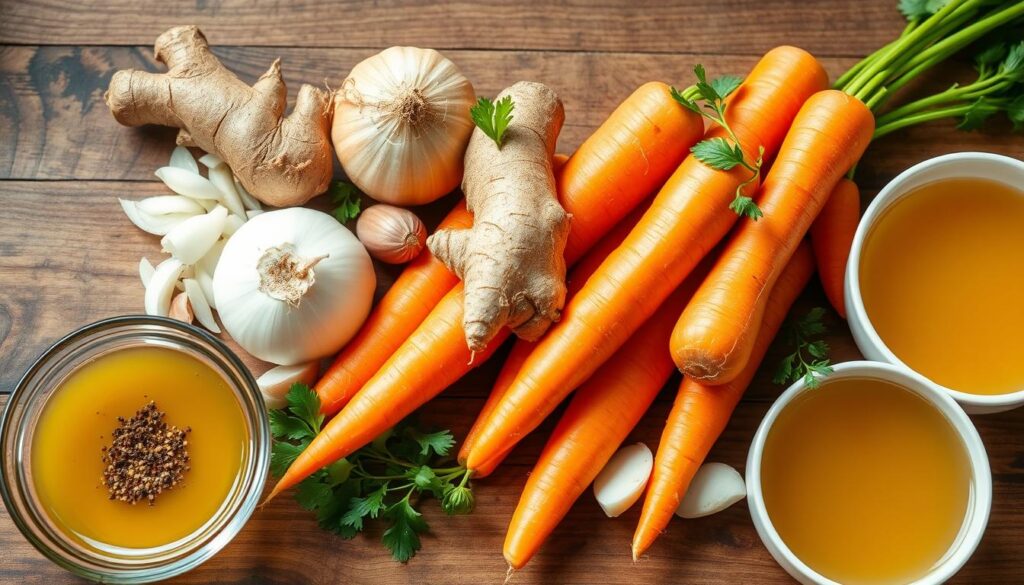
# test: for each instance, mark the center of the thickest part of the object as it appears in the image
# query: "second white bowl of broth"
(928, 318)
(807, 557)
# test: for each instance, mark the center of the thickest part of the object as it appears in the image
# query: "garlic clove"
(391, 234)
(211, 161)
(200, 307)
(180, 308)
(623, 479)
(146, 271)
(168, 204)
(188, 184)
(194, 237)
(161, 286)
(275, 383)
(182, 159)
(714, 487)
(250, 202)
(222, 178)
(158, 225)
(231, 225)
(205, 268)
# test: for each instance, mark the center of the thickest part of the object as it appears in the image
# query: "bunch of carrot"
(619, 335)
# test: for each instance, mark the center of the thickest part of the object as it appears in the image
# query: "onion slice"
(623, 479)
(182, 159)
(231, 224)
(158, 225)
(221, 177)
(211, 160)
(200, 308)
(146, 271)
(188, 184)
(168, 204)
(248, 200)
(194, 237)
(275, 383)
(161, 286)
(714, 487)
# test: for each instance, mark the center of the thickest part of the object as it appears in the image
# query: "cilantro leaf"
(283, 426)
(718, 153)
(493, 118)
(360, 508)
(305, 404)
(726, 84)
(795, 366)
(402, 537)
(282, 455)
(345, 197)
(440, 442)
(312, 493)
(426, 480)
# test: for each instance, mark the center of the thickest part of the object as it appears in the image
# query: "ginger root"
(511, 261)
(281, 160)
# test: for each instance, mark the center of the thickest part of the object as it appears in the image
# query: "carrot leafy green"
(810, 360)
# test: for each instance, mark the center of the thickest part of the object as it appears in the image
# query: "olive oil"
(865, 481)
(77, 423)
(942, 278)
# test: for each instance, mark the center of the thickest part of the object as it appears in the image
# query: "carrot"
(714, 336)
(406, 304)
(625, 159)
(701, 412)
(522, 348)
(600, 416)
(687, 218)
(832, 237)
(598, 185)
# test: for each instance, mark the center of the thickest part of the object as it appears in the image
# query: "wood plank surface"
(68, 256)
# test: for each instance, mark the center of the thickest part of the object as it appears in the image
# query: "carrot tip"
(508, 574)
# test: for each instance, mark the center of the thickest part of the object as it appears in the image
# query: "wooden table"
(68, 256)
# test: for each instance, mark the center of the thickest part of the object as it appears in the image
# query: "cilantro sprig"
(345, 197)
(383, 481)
(493, 118)
(724, 154)
(810, 361)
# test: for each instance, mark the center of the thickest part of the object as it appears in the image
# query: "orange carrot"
(714, 336)
(624, 160)
(600, 416)
(522, 348)
(832, 237)
(599, 185)
(687, 218)
(406, 304)
(701, 412)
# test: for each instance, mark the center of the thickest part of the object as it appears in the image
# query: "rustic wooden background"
(68, 256)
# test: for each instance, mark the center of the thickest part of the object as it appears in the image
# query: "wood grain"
(677, 26)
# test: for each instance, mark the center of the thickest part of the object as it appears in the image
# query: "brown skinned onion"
(391, 234)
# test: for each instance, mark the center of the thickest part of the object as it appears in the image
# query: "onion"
(193, 238)
(275, 383)
(169, 204)
(188, 183)
(199, 305)
(391, 234)
(161, 286)
(181, 158)
(158, 225)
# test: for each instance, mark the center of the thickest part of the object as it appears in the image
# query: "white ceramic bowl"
(959, 165)
(981, 477)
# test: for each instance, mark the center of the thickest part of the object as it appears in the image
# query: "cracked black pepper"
(146, 457)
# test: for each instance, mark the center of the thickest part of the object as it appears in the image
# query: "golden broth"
(77, 422)
(865, 481)
(942, 278)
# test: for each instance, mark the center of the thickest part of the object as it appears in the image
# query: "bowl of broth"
(936, 276)
(874, 477)
(134, 449)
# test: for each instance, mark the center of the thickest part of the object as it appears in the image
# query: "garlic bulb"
(293, 285)
(391, 234)
(401, 125)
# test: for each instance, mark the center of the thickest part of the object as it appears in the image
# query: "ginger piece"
(511, 261)
(281, 160)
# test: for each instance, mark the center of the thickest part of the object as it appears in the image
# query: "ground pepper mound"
(146, 457)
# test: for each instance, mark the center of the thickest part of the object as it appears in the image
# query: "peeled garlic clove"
(161, 286)
(200, 307)
(623, 479)
(276, 382)
(248, 200)
(231, 225)
(157, 225)
(391, 234)
(715, 487)
(211, 160)
(146, 271)
(222, 178)
(188, 183)
(194, 237)
(180, 308)
(167, 204)
(205, 268)
(182, 159)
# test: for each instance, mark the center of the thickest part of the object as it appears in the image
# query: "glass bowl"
(44, 377)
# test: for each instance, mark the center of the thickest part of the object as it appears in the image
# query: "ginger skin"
(283, 161)
(512, 260)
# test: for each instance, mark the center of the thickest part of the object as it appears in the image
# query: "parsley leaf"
(718, 154)
(913, 9)
(981, 110)
(493, 118)
(1015, 111)
(305, 405)
(440, 442)
(726, 84)
(282, 425)
(345, 198)
(313, 493)
(796, 366)
(402, 537)
(360, 508)
(282, 455)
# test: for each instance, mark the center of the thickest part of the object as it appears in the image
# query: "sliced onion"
(211, 160)
(248, 200)
(145, 271)
(161, 286)
(188, 184)
(158, 225)
(167, 204)
(221, 177)
(252, 213)
(194, 237)
(232, 224)
(205, 268)
(200, 308)
(275, 383)
(182, 159)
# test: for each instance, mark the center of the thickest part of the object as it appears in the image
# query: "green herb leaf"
(283, 426)
(458, 500)
(684, 101)
(913, 9)
(312, 493)
(745, 207)
(282, 455)
(402, 537)
(726, 84)
(981, 110)
(1013, 65)
(1015, 111)
(493, 118)
(360, 508)
(345, 197)
(718, 153)
(426, 480)
(440, 442)
(305, 404)
(795, 366)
